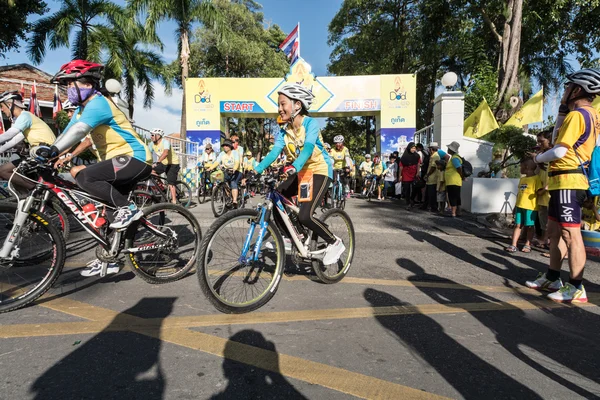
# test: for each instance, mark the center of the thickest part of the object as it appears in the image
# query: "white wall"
(477, 152)
(489, 195)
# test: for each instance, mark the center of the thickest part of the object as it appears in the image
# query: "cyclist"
(341, 162)
(26, 129)
(366, 168)
(328, 148)
(69, 108)
(310, 173)
(230, 163)
(125, 159)
(249, 163)
(567, 184)
(167, 161)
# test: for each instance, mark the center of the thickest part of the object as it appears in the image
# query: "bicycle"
(372, 187)
(337, 192)
(160, 247)
(242, 256)
(156, 190)
(222, 197)
(205, 184)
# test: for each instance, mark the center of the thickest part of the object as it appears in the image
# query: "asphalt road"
(432, 307)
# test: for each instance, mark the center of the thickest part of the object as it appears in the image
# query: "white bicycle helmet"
(327, 146)
(298, 92)
(158, 131)
(367, 156)
(67, 105)
(338, 139)
(15, 96)
(588, 79)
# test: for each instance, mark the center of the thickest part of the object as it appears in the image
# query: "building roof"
(4, 68)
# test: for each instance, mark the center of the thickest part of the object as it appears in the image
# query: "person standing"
(453, 176)
(409, 168)
(567, 184)
(431, 179)
(167, 160)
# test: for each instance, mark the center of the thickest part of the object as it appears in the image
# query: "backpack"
(593, 166)
(466, 167)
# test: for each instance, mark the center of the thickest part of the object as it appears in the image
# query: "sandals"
(511, 249)
(526, 249)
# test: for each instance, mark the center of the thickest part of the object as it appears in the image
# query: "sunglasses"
(235, 141)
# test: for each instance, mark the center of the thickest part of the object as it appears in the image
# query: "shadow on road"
(112, 364)
(249, 382)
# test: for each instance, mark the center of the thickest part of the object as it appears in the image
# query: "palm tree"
(91, 19)
(184, 13)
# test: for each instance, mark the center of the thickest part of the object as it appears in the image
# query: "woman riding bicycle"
(341, 162)
(124, 159)
(229, 161)
(311, 171)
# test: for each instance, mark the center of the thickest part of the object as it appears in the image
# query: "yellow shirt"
(452, 177)
(378, 169)
(527, 197)
(589, 217)
(572, 136)
(366, 167)
(441, 183)
(172, 158)
(319, 162)
(249, 164)
(229, 161)
(38, 133)
(433, 178)
(544, 199)
(339, 157)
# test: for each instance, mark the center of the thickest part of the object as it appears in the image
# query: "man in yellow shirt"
(431, 178)
(26, 128)
(342, 163)
(453, 176)
(167, 160)
(567, 185)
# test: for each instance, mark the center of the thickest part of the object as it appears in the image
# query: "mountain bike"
(243, 255)
(160, 247)
(222, 197)
(371, 187)
(337, 192)
(156, 190)
(205, 184)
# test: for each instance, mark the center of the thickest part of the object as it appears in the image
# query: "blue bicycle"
(243, 255)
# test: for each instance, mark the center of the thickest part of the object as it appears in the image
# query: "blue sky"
(314, 17)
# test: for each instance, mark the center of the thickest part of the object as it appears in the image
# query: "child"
(525, 211)
(590, 219)
(441, 185)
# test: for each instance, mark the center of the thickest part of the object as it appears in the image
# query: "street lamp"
(449, 80)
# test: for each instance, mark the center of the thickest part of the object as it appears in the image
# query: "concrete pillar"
(448, 116)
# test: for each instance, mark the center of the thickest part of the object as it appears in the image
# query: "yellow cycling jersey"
(34, 129)
(304, 149)
(112, 133)
(172, 158)
(366, 167)
(378, 169)
(339, 157)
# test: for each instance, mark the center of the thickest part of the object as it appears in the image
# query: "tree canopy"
(13, 21)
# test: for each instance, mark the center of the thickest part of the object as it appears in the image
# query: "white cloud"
(161, 114)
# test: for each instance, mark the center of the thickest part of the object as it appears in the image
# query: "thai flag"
(34, 105)
(57, 107)
(291, 45)
(22, 92)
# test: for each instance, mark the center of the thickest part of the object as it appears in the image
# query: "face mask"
(86, 93)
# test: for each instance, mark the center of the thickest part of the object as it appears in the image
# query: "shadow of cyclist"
(113, 364)
(248, 382)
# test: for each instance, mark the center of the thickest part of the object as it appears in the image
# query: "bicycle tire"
(201, 194)
(183, 193)
(142, 198)
(206, 256)
(147, 268)
(218, 196)
(63, 219)
(342, 267)
(58, 249)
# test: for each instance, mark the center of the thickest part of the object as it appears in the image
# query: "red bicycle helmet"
(78, 69)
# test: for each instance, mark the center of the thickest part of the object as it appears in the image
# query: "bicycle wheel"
(340, 225)
(183, 193)
(142, 199)
(58, 217)
(40, 259)
(233, 286)
(176, 254)
(218, 201)
(202, 193)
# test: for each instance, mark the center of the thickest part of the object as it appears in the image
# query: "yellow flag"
(531, 112)
(481, 122)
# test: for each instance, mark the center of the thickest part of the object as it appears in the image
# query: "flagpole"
(298, 39)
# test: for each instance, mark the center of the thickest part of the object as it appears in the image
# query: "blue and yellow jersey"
(339, 157)
(249, 164)
(34, 129)
(304, 149)
(229, 161)
(172, 158)
(379, 169)
(112, 133)
(366, 167)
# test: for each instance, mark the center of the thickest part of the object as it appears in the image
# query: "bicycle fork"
(265, 212)
(9, 251)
